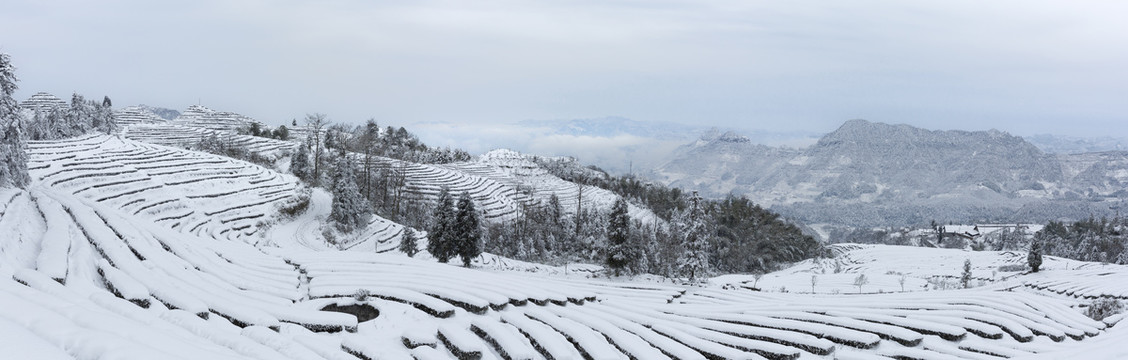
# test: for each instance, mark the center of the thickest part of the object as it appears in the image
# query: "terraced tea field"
(122, 249)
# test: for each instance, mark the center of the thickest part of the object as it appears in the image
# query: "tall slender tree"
(618, 235)
(299, 163)
(368, 141)
(13, 145)
(441, 232)
(315, 123)
(965, 278)
(468, 230)
(1034, 257)
(349, 210)
(697, 233)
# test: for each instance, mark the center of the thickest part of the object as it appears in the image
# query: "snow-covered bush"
(295, 205)
(1104, 307)
(362, 295)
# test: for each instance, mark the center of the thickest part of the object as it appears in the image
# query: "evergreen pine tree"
(13, 145)
(408, 244)
(103, 117)
(467, 230)
(694, 259)
(349, 210)
(77, 119)
(965, 279)
(618, 234)
(299, 163)
(442, 223)
(1034, 257)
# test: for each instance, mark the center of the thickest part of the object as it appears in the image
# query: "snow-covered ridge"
(868, 174)
(136, 115)
(203, 117)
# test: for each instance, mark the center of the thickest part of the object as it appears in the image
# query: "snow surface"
(162, 260)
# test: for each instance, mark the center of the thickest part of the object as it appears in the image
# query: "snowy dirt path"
(305, 230)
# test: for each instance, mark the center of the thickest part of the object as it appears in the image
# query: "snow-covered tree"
(314, 124)
(695, 227)
(618, 234)
(299, 163)
(467, 230)
(369, 140)
(408, 244)
(349, 210)
(860, 281)
(965, 279)
(102, 117)
(78, 118)
(13, 145)
(442, 228)
(1034, 257)
(756, 279)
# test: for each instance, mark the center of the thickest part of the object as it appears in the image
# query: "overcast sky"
(1021, 66)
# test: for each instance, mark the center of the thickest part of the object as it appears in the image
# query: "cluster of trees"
(1098, 240)
(703, 235)
(256, 129)
(698, 237)
(380, 181)
(81, 117)
(214, 144)
(13, 144)
(455, 230)
(547, 234)
(389, 142)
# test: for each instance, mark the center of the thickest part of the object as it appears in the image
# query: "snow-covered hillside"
(88, 271)
(867, 174)
(122, 248)
(500, 182)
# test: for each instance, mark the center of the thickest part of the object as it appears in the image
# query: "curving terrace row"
(191, 192)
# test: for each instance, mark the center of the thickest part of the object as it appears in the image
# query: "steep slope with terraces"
(89, 276)
(125, 248)
(500, 182)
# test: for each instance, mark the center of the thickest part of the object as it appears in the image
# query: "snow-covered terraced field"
(500, 182)
(197, 116)
(135, 115)
(1108, 281)
(185, 136)
(87, 279)
(190, 192)
(90, 269)
(536, 185)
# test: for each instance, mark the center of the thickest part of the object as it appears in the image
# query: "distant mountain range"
(875, 174)
(1058, 144)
